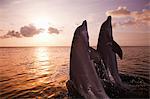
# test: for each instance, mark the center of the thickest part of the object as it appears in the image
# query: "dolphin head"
(84, 32)
(106, 32)
(107, 28)
(81, 33)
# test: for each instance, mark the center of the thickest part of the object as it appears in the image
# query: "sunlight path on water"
(43, 71)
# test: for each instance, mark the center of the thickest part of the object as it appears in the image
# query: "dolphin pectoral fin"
(116, 48)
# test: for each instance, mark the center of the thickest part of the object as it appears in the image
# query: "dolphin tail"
(117, 49)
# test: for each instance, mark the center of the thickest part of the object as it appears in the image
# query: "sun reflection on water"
(42, 54)
(42, 68)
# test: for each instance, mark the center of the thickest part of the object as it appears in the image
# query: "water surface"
(43, 71)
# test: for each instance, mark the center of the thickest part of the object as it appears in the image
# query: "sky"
(53, 22)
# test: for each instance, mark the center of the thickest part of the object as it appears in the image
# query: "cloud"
(10, 34)
(1, 29)
(29, 31)
(144, 15)
(147, 4)
(53, 30)
(133, 17)
(25, 31)
(14, 34)
(119, 12)
(126, 23)
(6, 3)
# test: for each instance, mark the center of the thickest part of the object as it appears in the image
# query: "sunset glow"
(53, 22)
(64, 49)
(43, 37)
(41, 22)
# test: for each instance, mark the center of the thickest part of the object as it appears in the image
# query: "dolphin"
(108, 48)
(83, 77)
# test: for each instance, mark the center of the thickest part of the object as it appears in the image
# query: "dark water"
(43, 71)
(136, 61)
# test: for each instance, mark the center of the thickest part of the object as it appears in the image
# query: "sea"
(34, 72)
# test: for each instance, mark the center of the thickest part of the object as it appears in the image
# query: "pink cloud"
(136, 17)
(119, 12)
(28, 31)
(53, 30)
(10, 34)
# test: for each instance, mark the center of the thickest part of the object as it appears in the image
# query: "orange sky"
(52, 22)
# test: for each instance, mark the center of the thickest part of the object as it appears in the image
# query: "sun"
(41, 22)
(43, 37)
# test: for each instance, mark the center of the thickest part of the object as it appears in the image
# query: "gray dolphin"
(107, 48)
(83, 76)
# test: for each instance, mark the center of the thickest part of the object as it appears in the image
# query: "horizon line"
(62, 46)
